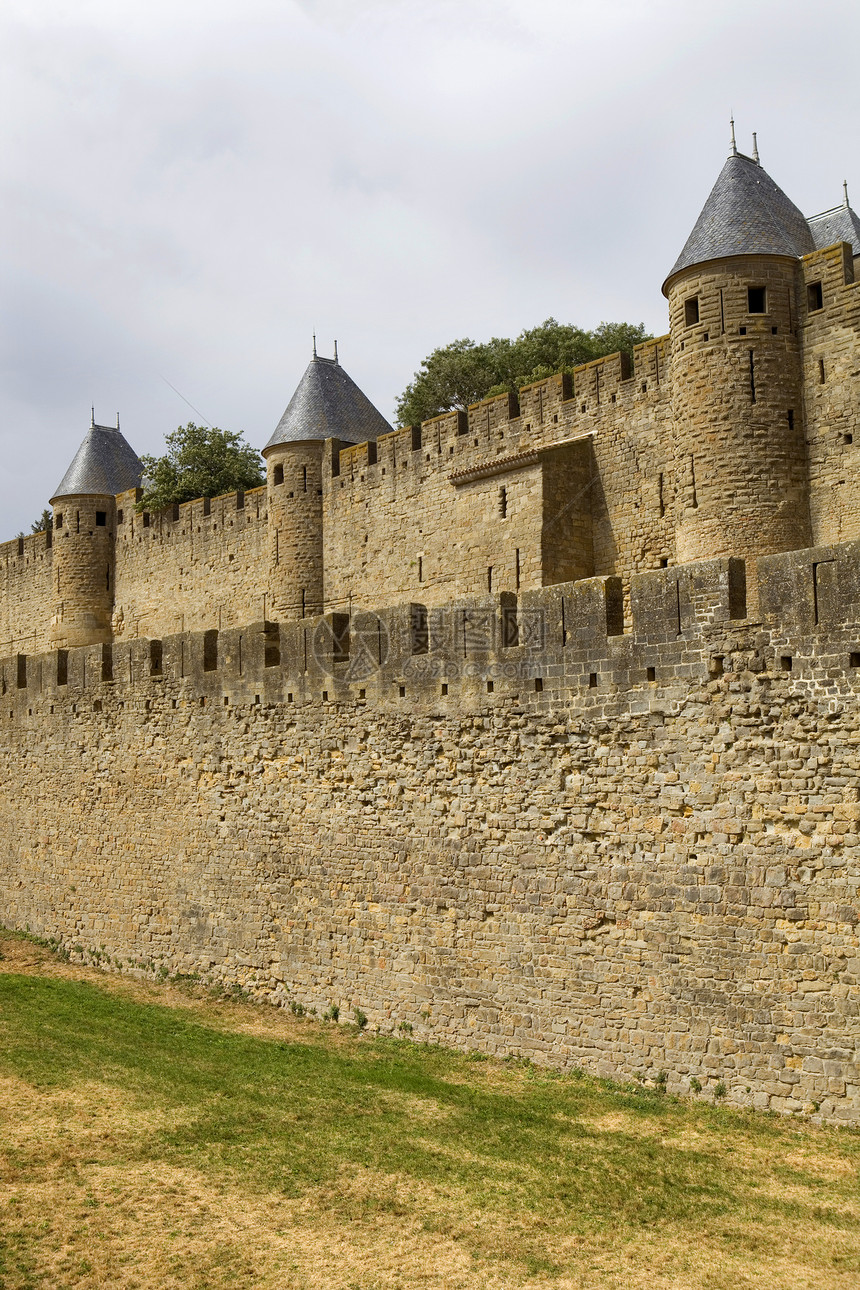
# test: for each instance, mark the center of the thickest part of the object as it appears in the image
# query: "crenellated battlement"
(561, 647)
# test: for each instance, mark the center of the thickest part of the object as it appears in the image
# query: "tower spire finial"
(755, 149)
(335, 351)
(734, 141)
(117, 420)
(315, 344)
(92, 415)
(845, 191)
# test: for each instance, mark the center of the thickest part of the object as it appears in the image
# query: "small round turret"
(327, 404)
(84, 537)
(295, 510)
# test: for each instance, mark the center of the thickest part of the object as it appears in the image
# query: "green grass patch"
(575, 1156)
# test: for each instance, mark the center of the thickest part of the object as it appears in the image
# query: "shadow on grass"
(286, 1117)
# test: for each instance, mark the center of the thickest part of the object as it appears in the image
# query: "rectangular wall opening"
(757, 300)
(107, 662)
(691, 311)
(339, 624)
(271, 645)
(419, 629)
(510, 621)
(62, 667)
(155, 658)
(814, 297)
(21, 671)
(210, 650)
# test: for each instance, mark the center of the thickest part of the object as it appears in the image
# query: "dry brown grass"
(81, 1208)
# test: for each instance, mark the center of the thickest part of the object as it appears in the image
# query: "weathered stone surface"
(633, 875)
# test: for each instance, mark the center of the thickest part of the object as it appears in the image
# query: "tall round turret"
(740, 460)
(327, 404)
(84, 537)
(295, 510)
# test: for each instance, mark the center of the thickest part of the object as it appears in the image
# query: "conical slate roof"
(328, 405)
(746, 214)
(837, 225)
(105, 464)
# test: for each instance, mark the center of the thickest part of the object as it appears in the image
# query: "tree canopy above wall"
(466, 371)
(201, 461)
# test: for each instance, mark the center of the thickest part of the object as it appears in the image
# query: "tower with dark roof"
(84, 506)
(740, 468)
(327, 404)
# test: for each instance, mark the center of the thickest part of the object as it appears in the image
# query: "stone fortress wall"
(508, 824)
(534, 727)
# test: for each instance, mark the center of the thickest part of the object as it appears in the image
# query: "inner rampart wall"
(200, 565)
(630, 851)
(427, 512)
(26, 569)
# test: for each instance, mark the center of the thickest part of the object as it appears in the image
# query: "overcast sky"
(191, 188)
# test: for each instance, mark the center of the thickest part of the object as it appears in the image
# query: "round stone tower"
(327, 404)
(84, 537)
(740, 461)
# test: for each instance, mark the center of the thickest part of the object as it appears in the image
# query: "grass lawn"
(154, 1137)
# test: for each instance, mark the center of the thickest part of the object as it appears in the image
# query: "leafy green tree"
(200, 461)
(43, 523)
(465, 371)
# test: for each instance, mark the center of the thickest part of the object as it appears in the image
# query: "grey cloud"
(191, 188)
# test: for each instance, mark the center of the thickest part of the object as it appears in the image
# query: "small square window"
(278, 475)
(691, 311)
(757, 300)
(814, 296)
(146, 519)
(101, 519)
(120, 516)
